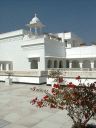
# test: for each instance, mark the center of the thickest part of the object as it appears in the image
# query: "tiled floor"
(17, 112)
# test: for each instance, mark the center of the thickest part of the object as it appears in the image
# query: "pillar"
(1, 67)
(81, 65)
(7, 67)
(70, 64)
(92, 64)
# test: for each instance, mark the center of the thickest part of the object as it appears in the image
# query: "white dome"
(34, 20)
(35, 23)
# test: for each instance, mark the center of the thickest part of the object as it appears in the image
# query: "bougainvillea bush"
(79, 100)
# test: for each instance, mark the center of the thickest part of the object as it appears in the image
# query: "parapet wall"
(35, 73)
(82, 74)
(34, 76)
(70, 76)
(73, 74)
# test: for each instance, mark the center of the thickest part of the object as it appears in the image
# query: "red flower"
(71, 85)
(78, 78)
(39, 104)
(33, 101)
(45, 97)
(60, 79)
(56, 86)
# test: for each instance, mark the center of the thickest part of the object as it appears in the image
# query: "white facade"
(20, 50)
(24, 50)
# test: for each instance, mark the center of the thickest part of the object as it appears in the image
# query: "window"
(34, 64)
(65, 43)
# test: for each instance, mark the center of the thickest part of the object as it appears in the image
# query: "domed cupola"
(35, 24)
(35, 20)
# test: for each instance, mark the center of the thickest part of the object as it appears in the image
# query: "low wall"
(73, 74)
(50, 81)
(69, 76)
(36, 77)
(39, 77)
(33, 72)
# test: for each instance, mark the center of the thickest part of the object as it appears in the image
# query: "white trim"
(54, 57)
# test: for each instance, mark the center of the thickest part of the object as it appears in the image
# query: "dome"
(35, 23)
(34, 20)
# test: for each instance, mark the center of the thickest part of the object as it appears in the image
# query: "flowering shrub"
(79, 101)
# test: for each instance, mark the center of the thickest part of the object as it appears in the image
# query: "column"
(81, 65)
(1, 67)
(7, 67)
(92, 64)
(70, 64)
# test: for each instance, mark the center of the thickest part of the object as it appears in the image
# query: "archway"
(86, 64)
(49, 64)
(75, 64)
(55, 64)
(60, 64)
(67, 63)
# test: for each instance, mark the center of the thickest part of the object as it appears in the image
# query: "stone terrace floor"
(17, 112)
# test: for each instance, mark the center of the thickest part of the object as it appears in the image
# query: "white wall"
(81, 52)
(36, 51)
(54, 48)
(72, 37)
(36, 80)
(13, 49)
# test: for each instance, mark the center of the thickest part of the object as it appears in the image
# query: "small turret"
(35, 24)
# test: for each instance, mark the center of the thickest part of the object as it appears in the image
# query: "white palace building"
(29, 54)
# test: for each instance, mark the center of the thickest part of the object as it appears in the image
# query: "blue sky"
(77, 16)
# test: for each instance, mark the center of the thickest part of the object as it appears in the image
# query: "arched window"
(49, 64)
(55, 64)
(75, 64)
(60, 64)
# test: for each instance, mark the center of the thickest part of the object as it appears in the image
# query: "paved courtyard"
(17, 112)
